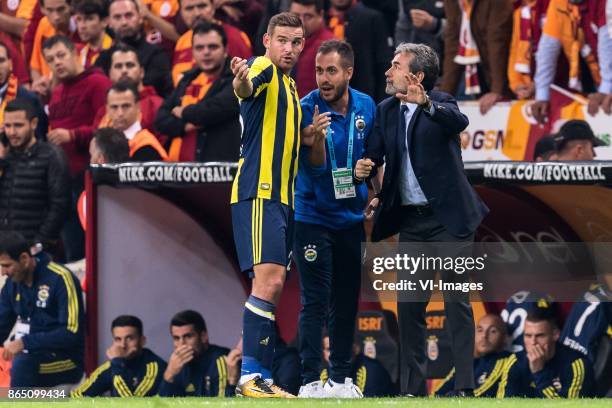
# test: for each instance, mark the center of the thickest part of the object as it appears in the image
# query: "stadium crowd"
(95, 81)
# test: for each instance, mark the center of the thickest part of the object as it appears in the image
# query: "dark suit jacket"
(435, 154)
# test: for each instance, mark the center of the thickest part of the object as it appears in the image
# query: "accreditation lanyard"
(343, 177)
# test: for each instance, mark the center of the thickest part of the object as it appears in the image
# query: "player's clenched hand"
(320, 123)
(368, 213)
(240, 69)
(181, 356)
(115, 351)
(363, 168)
(233, 367)
(12, 348)
(537, 358)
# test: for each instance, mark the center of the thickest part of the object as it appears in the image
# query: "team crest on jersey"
(433, 351)
(43, 295)
(310, 253)
(360, 125)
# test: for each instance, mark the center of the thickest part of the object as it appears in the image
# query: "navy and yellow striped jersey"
(516, 310)
(204, 376)
(589, 322)
(567, 375)
(52, 306)
(136, 377)
(488, 371)
(270, 136)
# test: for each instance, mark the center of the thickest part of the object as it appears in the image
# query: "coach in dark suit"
(427, 198)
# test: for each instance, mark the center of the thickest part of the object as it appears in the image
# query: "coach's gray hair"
(424, 59)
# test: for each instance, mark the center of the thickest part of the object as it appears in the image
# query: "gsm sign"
(370, 323)
(483, 139)
(435, 322)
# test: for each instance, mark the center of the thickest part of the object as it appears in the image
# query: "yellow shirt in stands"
(37, 61)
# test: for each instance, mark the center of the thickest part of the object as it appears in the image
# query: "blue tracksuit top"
(315, 202)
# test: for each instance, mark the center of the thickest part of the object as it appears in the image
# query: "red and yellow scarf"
(183, 148)
(9, 95)
(467, 52)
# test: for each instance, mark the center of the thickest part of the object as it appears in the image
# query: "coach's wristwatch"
(427, 104)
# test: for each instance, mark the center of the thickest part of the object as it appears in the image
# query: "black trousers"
(329, 262)
(420, 226)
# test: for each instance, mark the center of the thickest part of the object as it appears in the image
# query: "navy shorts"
(263, 232)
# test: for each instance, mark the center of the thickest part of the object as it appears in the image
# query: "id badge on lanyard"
(22, 328)
(343, 177)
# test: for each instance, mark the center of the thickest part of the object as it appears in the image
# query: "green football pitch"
(370, 402)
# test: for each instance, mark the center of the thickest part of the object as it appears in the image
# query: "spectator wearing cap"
(545, 149)
(576, 141)
(476, 45)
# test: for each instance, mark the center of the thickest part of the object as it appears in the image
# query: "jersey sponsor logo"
(265, 341)
(310, 253)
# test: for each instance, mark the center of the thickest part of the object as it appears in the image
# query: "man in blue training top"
(131, 369)
(44, 299)
(329, 230)
(547, 368)
(197, 368)
(491, 362)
